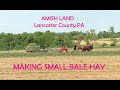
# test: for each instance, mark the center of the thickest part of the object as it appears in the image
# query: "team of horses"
(85, 48)
(78, 48)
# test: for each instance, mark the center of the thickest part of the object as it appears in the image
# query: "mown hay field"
(110, 72)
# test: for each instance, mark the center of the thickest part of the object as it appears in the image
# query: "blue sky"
(19, 21)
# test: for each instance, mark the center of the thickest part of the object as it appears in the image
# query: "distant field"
(99, 41)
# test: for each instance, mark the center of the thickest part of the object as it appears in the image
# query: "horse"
(85, 48)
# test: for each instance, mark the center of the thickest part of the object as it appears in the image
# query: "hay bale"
(32, 47)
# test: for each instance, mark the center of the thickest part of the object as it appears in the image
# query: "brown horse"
(85, 48)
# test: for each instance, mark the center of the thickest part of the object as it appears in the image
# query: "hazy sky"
(19, 21)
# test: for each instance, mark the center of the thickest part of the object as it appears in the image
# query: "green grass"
(108, 46)
(39, 54)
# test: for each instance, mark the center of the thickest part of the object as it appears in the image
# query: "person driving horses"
(43, 46)
(75, 47)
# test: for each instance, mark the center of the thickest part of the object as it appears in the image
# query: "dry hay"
(112, 70)
(99, 41)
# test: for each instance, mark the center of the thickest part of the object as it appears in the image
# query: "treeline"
(9, 41)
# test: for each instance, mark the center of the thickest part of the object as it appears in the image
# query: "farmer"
(75, 47)
(43, 46)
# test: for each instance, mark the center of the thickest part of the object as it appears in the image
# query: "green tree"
(48, 38)
(112, 35)
(100, 34)
(93, 35)
(111, 32)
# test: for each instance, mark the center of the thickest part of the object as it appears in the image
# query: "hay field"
(99, 41)
(111, 71)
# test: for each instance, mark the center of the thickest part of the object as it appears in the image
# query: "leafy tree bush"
(9, 41)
